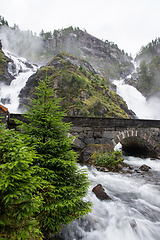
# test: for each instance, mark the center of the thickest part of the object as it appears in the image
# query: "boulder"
(100, 193)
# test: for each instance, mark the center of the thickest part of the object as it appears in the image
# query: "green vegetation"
(149, 75)
(19, 202)
(3, 22)
(84, 92)
(149, 69)
(41, 186)
(148, 51)
(64, 184)
(109, 159)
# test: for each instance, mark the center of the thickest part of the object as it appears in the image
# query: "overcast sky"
(128, 23)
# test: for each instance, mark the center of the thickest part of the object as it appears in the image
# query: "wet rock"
(104, 169)
(100, 193)
(144, 168)
(133, 223)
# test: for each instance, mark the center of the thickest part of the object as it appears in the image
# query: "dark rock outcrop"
(5, 76)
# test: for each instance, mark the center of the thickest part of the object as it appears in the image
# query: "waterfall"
(21, 69)
(137, 102)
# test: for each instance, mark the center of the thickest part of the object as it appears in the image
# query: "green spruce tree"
(65, 185)
(18, 185)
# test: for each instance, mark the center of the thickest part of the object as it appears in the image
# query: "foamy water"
(21, 73)
(137, 102)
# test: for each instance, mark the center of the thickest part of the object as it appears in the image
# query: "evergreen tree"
(65, 185)
(2, 21)
(42, 33)
(18, 183)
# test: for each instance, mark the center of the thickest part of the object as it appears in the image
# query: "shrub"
(110, 159)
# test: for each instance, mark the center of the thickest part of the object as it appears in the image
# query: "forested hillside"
(147, 79)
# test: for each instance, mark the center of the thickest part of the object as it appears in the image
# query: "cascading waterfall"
(137, 102)
(21, 70)
(134, 211)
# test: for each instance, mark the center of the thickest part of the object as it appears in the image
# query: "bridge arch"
(136, 142)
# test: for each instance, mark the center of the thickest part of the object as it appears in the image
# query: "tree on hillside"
(47, 35)
(65, 185)
(154, 69)
(145, 81)
(149, 75)
(2, 21)
(18, 185)
(42, 33)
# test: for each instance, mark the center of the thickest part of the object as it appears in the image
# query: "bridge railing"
(92, 121)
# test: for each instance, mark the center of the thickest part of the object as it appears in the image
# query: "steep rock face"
(85, 92)
(5, 76)
(103, 55)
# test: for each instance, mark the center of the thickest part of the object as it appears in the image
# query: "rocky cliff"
(103, 55)
(83, 88)
(5, 76)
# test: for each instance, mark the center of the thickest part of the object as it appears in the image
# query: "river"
(132, 214)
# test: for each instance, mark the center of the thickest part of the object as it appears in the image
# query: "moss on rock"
(83, 90)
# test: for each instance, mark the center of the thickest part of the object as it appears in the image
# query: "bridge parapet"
(112, 122)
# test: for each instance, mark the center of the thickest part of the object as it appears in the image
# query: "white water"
(21, 73)
(137, 102)
(133, 213)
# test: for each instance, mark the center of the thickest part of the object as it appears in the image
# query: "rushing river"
(134, 211)
(132, 214)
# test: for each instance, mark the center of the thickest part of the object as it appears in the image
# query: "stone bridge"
(137, 136)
